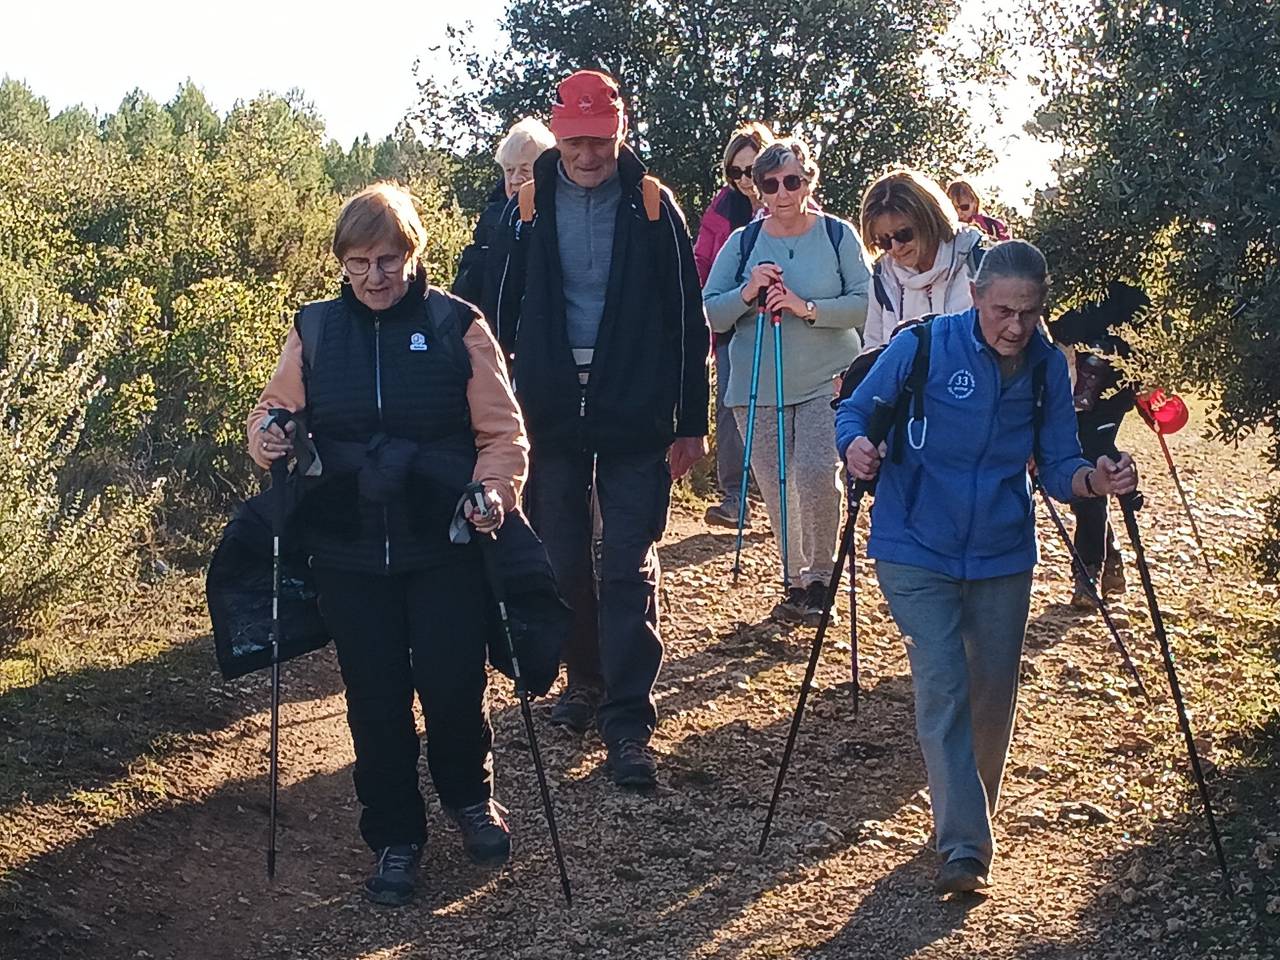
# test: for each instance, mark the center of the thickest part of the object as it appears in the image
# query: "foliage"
(878, 90)
(1169, 177)
(150, 262)
(57, 545)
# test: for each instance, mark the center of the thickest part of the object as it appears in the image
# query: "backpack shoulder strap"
(450, 318)
(1038, 375)
(912, 426)
(526, 201)
(877, 282)
(310, 326)
(835, 233)
(746, 242)
(651, 194)
(976, 253)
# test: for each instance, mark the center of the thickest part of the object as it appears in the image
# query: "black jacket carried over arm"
(648, 380)
(469, 283)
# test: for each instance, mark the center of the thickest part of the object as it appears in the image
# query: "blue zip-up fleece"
(961, 505)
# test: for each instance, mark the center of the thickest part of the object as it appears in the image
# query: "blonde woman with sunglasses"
(926, 258)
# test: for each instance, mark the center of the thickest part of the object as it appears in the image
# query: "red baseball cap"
(587, 105)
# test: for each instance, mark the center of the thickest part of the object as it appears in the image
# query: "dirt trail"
(132, 812)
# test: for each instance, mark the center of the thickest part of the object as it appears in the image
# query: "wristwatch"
(811, 309)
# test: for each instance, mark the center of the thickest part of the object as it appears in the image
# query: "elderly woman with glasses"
(407, 402)
(813, 272)
(736, 205)
(926, 258)
(953, 529)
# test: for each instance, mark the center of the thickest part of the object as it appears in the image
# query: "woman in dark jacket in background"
(516, 152)
(394, 373)
(736, 205)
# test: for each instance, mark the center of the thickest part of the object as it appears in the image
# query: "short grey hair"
(777, 154)
(526, 132)
(1015, 259)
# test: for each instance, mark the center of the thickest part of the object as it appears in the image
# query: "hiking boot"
(392, 881)
(794, 608)
(815, 601)
(725, 515)
(1113, 574)
(632, 765)
(576, 708)
(1082, 599)
(962, 876)
(485, 835)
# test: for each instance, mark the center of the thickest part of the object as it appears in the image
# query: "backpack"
(908, 409)
(751, 233)
(973, 262)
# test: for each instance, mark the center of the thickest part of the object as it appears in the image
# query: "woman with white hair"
(516, 152)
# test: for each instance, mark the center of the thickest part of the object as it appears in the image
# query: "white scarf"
(916, 294)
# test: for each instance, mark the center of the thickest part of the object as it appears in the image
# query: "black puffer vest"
(384, 386)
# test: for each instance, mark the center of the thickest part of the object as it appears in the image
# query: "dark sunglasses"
(737, 173)
(791, 181)
(886, 240)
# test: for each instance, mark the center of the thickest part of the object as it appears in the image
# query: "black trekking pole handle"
(881, 421)
(1130, 504)
(489, 551)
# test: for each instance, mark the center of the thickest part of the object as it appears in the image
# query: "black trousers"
(419, 631)
(1095, 539)
(615, 643)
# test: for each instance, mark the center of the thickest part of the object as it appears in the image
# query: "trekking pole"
(488, 549)
(1169, 415)
(1082, 575)
(279, 475)
(776, 320)
(749, 438)
(877, 429)
(1130, 504)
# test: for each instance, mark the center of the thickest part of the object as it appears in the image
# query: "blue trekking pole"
(750, 435)
(776, 320)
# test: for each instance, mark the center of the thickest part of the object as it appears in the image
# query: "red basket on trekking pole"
(1164, 413)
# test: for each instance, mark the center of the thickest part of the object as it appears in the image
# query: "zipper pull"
(582, 407)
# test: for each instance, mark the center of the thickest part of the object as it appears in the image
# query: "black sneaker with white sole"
(485, 834)
(815, 601)
(394, 875)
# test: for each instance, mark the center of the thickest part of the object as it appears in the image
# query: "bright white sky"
(353, 60)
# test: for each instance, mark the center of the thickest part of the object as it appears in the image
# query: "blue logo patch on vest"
(418, 342)
(961, 385)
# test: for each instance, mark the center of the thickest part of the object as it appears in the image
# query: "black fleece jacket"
(648, 380)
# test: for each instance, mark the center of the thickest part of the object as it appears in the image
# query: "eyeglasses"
(964, 206)
(737, 173)
(387, 263)
(886, 240)
(791, 181)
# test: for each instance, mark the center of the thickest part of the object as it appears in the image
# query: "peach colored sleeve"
(502, 447)
(284, 389)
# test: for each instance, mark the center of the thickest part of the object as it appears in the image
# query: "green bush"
(59, 541)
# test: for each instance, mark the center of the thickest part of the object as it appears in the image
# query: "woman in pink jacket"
(734, 206)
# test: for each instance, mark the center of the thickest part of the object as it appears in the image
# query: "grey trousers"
(813, 483)
(964, 642)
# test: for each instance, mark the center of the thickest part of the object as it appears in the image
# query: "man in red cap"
(593, 292)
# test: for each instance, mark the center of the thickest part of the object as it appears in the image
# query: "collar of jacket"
(631, 170)
(406, 307)
(1037, 347)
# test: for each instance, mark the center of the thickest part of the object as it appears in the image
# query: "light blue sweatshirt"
(961, 505)
(811, 355)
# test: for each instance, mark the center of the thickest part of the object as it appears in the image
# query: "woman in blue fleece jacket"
(953, 529)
